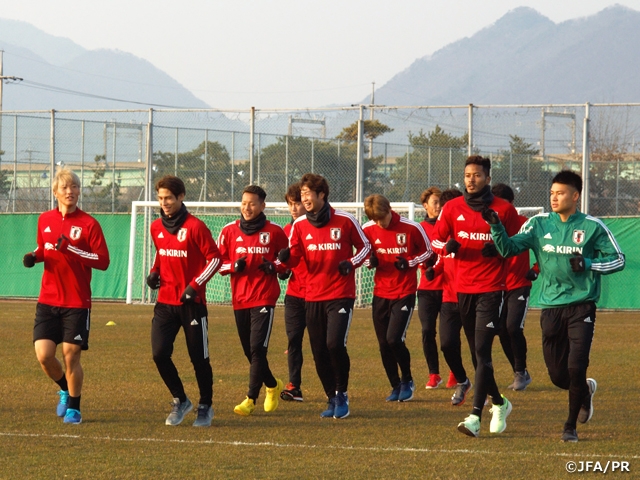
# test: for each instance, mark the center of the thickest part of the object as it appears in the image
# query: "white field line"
(319, 447)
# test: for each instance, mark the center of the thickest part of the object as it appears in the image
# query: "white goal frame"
(145, 208)
(409, 207)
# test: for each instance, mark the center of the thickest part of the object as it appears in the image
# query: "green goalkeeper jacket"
(554, 242)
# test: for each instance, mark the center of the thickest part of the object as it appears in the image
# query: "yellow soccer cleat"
(246, 408)
(273, 396)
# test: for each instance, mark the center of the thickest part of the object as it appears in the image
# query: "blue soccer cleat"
(61, 410)
(73, 416)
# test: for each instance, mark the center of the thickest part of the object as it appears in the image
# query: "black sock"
(477, 411)
(74, 402)
(62, 383)
(497, 399)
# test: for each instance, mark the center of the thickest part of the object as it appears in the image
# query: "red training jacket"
(474, 273)
(518, 266)
(298, 279)
(437, 282)
(188, 257)
(66, 281)
(404, 238)
(251, 287)
(323, 249)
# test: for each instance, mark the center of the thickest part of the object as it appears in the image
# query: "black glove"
(285, 275)
(373, 260)
(63, 243)
(267, 267)
(153, 280)
(240, 264)
(429, 273)
(490, 216)
(431, 261)
(29, 260)
(345, 267)
(401, 264)
(189, 295)
(284, 254)
(577, 262)
(489, 250)
(531, 275)
(452, 246)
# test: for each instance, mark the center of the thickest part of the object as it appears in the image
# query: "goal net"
(216, 215)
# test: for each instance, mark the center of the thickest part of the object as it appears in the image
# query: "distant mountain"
(526, 58)
(110, 79)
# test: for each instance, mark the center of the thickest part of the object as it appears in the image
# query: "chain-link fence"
(396, 151)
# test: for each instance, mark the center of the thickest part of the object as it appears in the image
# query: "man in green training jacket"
(573, 250)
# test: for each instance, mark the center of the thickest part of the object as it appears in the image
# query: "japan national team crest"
(336, 233)
(75, 233)
(265, 238)
(578, 236)
(401, 239)
(182, 234)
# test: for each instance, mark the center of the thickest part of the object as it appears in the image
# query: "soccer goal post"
(216, 215)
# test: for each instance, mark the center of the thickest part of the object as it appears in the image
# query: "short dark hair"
(172, 183)
(485, 163)
(315, 183)
(503, 191)
(293, 193)
(449, 194)
(256, 190)
(567, 177)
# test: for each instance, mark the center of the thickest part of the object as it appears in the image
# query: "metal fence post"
(148, 168)
(312, 155)
(359, 156)
(252, 130)
(259, 141)
(233, 158)
(81, 161)
(203, 193)
(470, 136)
(175, 160)
(584, 207)
(113, 169)
(52, 158)
(286, 161)
(15, 161)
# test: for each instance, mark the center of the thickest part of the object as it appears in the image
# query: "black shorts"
(58, 324)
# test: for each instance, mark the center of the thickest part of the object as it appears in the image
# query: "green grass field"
(124, 405)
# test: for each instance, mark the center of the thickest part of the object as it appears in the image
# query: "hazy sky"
(279, 53)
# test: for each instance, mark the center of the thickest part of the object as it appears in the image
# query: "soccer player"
(325, 238)
(249, 247)
(399, 246)
(573, 250)
(480, 273)
(186, 259)
(450, 322)
(430, 296)
(294, 304)
(515, 304)
(70, 243)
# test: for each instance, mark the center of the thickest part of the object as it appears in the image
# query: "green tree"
(524, 171)
(103, 197)
(286, 160)
(210, 161)
(372, 130)
(5, 180)
(435, 158)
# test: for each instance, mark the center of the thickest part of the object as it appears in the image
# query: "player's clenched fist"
(153, 280)
(284, 254)
(452, 246)
(490, 216)
(189, 295)
(29, 260)
(267, 267)
(345, 267)
(63, 243)
(577, 262)
(240, 264)
(401, 263)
